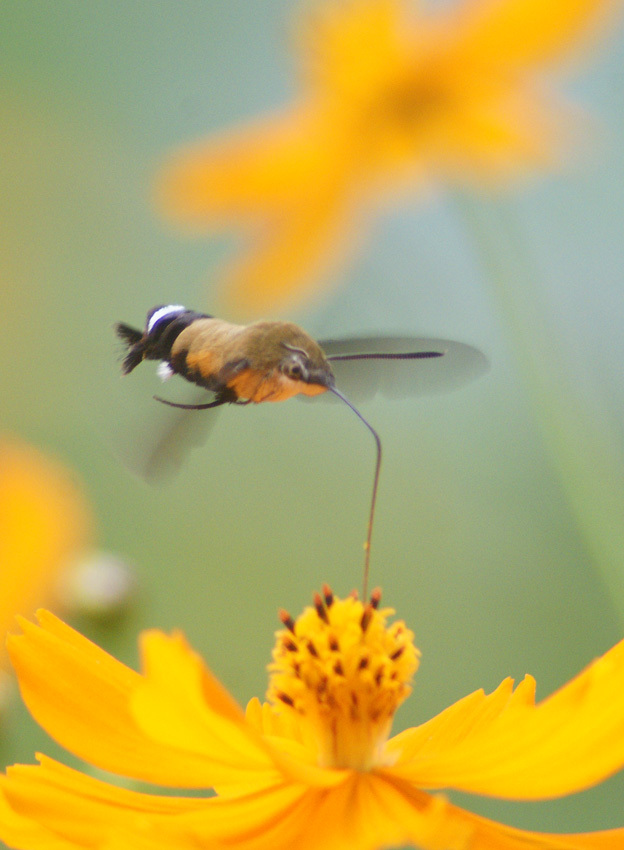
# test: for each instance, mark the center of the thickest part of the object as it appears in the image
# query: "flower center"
(344, 672)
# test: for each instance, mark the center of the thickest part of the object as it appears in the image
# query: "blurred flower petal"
(256, 170)
(45, 523)
(392, 97)
(521, 32)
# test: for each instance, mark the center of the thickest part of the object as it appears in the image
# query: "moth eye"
(296, 370)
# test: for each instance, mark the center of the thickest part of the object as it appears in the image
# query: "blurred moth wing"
(401, 366)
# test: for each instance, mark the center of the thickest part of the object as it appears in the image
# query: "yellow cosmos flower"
(314, 766)
(44, 524)
(391, 97)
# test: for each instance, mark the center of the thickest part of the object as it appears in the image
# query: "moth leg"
(224, 396)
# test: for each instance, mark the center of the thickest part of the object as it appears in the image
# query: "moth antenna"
(371, 516)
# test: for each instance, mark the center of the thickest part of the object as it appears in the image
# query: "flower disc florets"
(344, 672)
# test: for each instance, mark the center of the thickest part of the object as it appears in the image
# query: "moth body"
(263, 361)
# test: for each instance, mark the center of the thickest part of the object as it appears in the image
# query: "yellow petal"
(290, 259)
(52, 798)
(271, 818)
(503, 134)
(44, 523)
(485, 834)
(52, 807)
(179, 704)
(447, 827)
(18, 831)
(524, 32)
(365, 812)
(247, 173)
(284, 179)
(504, 745)
(348, 48)
(81, 695)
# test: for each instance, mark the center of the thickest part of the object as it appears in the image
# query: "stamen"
(287, 620)
(328, 595)
(320, 608)
(341, 671)
(366, 617)
(312, 649)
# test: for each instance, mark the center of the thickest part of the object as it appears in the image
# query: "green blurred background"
(475, 543)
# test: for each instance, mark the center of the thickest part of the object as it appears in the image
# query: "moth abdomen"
(163, 325)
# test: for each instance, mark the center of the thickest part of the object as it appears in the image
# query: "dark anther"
(329, 596)
(338, 668)
(287, 620)
(379, 676)
(290, 645)
(363, 664)
(366, 617)
(397, 653)
(333, 643)
(375, 597)
(312, 649)
(320, 608)
(286, 699)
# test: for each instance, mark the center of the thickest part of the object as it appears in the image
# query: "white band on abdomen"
(160, 314)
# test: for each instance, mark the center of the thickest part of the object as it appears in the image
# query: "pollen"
(342, 672)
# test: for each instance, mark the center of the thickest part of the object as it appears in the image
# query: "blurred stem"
(586, 455)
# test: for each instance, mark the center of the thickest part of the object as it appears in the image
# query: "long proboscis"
(407, 355)
(371, 516)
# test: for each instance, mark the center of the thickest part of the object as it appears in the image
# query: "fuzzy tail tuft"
(136, 346)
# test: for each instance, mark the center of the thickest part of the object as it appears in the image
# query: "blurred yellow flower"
(314, 766)
(44, 524)
(391, 97)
